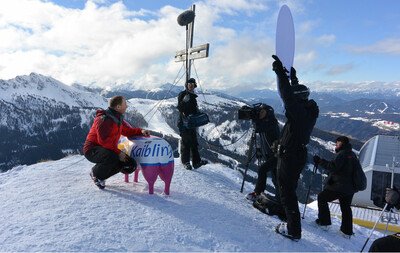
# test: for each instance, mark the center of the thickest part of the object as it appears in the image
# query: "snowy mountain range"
(42, 118)
(54, 206)
(361, 113)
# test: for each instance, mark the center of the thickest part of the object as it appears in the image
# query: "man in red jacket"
(101, 145)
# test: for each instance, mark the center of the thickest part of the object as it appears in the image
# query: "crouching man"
(101, 145)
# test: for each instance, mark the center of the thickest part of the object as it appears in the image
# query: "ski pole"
(380, 216)
(309, 188)
(387, 222)
(391, 185)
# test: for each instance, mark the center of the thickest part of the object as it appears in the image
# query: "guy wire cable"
(158, 104)
(173, 84)
(204, 99)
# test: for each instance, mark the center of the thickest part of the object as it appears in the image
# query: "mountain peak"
(45, 87)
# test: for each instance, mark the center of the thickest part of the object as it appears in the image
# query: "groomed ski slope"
(54, 206)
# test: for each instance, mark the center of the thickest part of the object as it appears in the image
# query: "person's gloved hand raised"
(293, 76)
(277, 66)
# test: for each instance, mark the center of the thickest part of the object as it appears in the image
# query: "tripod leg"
(249, 157)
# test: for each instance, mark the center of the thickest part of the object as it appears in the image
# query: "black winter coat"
(340, 171)
(187, 104)
(268, 131)
(301, 116)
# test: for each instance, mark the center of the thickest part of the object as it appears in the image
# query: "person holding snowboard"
(101, 145)
(301, 115)
(339, 185)
(187, 105)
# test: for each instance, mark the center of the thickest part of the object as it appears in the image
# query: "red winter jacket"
(106, 130)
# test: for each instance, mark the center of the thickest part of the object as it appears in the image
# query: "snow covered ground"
(54, 206)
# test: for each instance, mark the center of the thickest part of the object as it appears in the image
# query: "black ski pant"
(390, 243)
(290, 165)
(268, 166)
(108, 163)
(324, 214)
(189, 147)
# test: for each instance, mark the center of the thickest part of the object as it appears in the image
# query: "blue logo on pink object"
(154, 156)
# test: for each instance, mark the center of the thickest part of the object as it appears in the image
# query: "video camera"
(250, 112)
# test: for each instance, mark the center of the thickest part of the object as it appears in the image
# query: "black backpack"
(359, 178)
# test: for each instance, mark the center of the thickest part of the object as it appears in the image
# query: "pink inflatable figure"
(154, 157)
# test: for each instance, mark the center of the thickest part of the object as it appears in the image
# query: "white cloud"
(242, 60)
(305, 59)
(339, 69)
(307, 26)
(107, 43)
(326, 39)
(364, 86)
(104, 44)
(232, 6)
(386, 46)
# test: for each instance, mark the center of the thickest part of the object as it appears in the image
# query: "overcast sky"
(107, 42)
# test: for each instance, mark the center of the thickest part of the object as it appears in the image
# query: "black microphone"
(185, 18)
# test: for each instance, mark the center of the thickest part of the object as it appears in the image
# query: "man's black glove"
(293, 76)
(392, 197)
(128, 166)
(277, 66)
(316, 159)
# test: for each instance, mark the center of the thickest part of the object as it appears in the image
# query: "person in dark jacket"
(187, 105)
(339, 185)
(301, 115)
(390, 243)
(101, 145)
(267, 128)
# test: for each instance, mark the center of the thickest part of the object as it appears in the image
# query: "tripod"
(250, 154)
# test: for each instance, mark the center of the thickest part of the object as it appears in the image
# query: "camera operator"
(301, 115)
(267, 128)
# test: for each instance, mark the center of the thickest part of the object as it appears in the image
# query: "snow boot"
(201, 163)
(187, 166)
(99, 183)
(344, 235)
(282, 230)
(252, 196)
(324, 227)
(267, 204)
